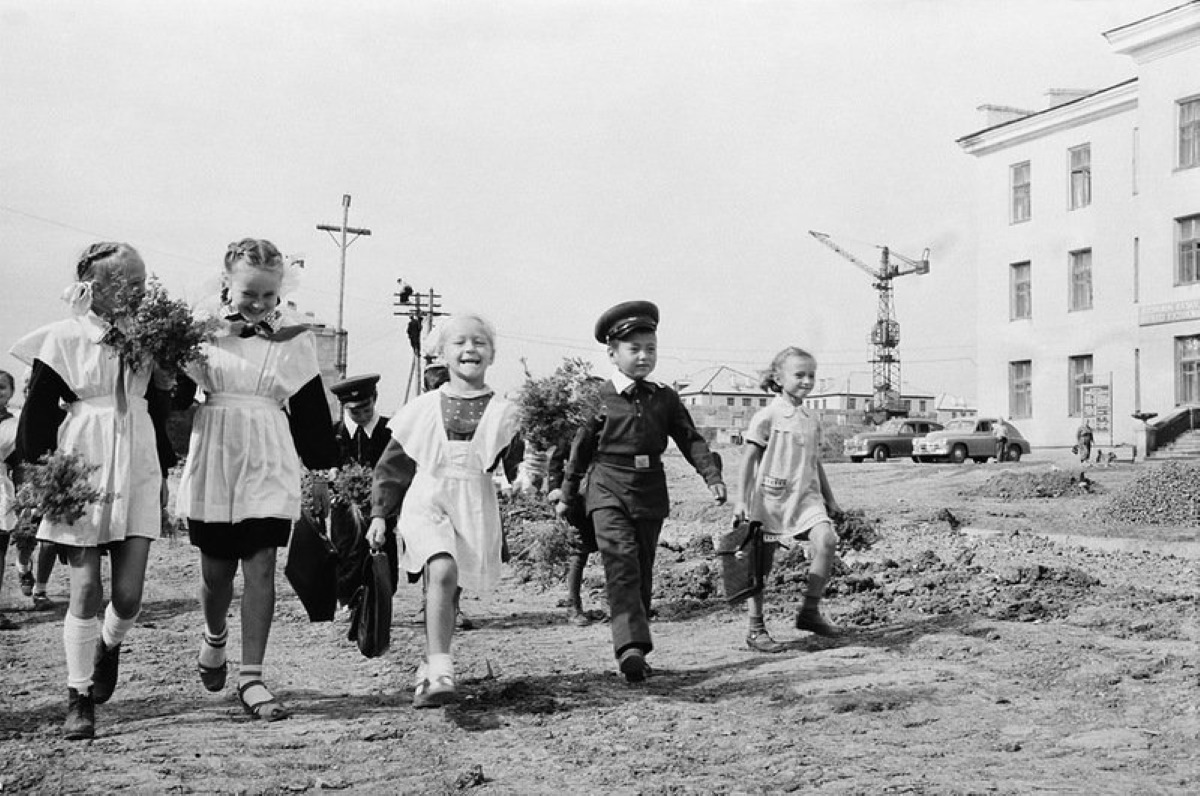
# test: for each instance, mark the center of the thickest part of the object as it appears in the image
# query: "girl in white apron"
(107, 422)
(449, 524)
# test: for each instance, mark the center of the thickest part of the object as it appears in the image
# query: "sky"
(536, 161)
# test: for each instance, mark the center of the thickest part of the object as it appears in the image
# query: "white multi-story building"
(1089, 244)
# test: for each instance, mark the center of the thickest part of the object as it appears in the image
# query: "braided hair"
(257, 253)
(770, 381)
(85, 268)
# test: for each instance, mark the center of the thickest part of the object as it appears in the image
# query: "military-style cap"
(355, 389)
(626, 317)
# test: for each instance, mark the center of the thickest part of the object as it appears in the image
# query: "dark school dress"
(626, 494)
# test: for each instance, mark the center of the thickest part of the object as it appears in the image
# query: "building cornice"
(1158, 36)
(1106, 102)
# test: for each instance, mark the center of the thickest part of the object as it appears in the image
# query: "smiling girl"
(264, 412)
(785, 490)
(449, 522)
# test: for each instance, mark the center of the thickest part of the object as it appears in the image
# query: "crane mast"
(885, 333)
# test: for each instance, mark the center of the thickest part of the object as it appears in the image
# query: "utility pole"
(345, 242)
(421, 310)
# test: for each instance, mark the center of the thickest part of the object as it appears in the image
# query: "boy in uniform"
(626, 494)
(362, 434)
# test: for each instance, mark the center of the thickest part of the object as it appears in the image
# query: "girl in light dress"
(784, 488)
(264, 413)
(107, 422)
(449, 521)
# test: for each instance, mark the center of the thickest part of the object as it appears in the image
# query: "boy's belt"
(642, 461)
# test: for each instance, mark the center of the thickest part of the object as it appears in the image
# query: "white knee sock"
(439, 664)
(115, 628)
(79, 641)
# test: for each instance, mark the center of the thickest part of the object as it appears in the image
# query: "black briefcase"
(741, 553)
(371, 607)
(312, 568)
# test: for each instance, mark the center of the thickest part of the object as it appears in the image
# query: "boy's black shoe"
(104, 676)
(633, 665)
(761, 641)
(81, 716)
(26, 579)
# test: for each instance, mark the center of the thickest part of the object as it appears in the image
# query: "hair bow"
(79, 297)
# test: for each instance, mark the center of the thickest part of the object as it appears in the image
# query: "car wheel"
(880, 453)
(856, 459)
(958, 454)
(1014, 453)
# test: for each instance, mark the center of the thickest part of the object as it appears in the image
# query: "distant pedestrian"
(784, 488)
(1000, 434)
(1084, 437)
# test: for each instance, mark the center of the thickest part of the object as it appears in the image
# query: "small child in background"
(784, 488)
(449, 520)
(8, 459)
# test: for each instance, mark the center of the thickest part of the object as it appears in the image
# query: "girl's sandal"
(213, 677)
(269, 709)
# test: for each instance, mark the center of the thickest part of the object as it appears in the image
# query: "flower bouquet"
(153, 327)
(57, 488)
(552, 408)
(351, 489)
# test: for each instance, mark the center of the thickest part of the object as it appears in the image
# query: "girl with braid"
(264, 413)
(108, 423)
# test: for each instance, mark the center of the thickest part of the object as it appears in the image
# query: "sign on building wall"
(1153, 314)
(1097, 404)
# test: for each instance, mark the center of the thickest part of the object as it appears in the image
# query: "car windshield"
(961, 425)
(892, 426)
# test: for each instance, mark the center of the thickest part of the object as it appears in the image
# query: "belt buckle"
(641, 461)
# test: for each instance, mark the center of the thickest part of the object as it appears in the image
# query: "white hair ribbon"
(79, 297)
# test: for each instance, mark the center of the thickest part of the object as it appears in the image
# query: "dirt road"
(973, 663)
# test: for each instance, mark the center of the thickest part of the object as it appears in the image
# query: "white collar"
(94, 327)
(623, 382)
(368, 427)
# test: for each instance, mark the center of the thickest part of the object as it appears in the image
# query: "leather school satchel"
(740, 552)
(371, 607)
(312, 568)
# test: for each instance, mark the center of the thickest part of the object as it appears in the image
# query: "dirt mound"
(1166, 494)
(538, 545)
(1023, 485)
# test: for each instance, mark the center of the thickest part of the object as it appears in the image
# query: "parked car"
(893, 438)
(968, 438)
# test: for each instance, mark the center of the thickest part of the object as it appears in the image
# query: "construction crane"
(885, 334)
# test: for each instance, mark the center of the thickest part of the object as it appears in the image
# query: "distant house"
(721, 401)
(947, 407)
(845, 399)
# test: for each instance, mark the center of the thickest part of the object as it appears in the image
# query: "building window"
(1189, 133)
(922, 405)
(1021, 205)
(1187, 370)
(745, 402)
(1079, 375)
(762, 401)
(1081, 176)
(1020, 389)
(1020, 292)
(729, 402)
(1081, 280)
(851, 403)
(1187, 269)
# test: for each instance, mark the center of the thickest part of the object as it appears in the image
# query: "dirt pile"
(1025, 484)
(536, 545)
(1166, 494)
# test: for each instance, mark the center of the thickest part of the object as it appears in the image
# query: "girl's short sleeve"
(297, 364)
(759, 432)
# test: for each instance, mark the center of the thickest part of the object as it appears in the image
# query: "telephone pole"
(345, 242)
(421, 310)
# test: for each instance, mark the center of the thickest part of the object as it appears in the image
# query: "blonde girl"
(264, 412)
(108, 423)
(449, 521)
(784, 488)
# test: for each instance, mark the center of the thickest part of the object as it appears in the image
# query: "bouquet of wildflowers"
(57, 488)
(153, 327)
(552, 408)
(351, 489)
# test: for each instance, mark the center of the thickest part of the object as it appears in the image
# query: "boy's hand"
(554, 496)
(560, 510)
(718, 491)
(739, 512)
(377, 532)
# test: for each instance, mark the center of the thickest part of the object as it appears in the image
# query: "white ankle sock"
(439, 664)
(115, 628)
(248, 674)
(79, 641)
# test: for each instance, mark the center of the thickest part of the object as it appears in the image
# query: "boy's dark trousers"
(627, 546)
